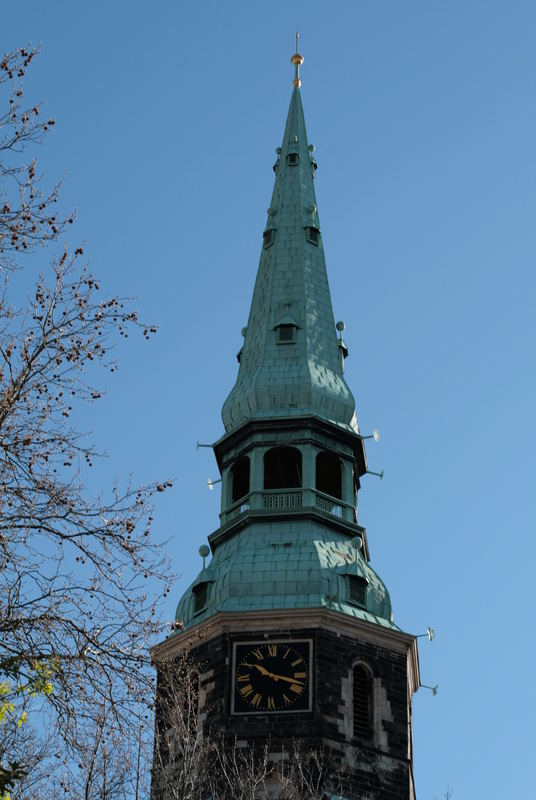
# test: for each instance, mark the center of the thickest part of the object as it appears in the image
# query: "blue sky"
(424, 120)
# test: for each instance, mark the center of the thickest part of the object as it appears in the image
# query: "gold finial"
(297, 60)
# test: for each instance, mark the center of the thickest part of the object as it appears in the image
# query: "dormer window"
(268, 237)
(286, 330)
(313, 235)
(357, 590)
(200, 593)
(286, 334)
(293, 159)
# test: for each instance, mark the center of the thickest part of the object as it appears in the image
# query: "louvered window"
(292, 159)
(362, 702)
(200, 596)
(357, 590)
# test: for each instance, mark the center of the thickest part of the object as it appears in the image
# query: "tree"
(75, 613)
(192, 763)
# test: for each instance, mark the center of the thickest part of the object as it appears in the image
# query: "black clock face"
(272, 676)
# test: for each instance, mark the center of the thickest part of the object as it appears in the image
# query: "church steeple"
(291, 361)
(290, 629)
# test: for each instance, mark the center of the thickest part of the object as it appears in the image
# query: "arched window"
(282, 468)
(362, 701)
(329, 475)
(240, 478)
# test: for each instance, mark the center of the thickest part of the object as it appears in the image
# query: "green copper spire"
(291, 363)
(291, 457)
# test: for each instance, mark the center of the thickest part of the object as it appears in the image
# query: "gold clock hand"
(269, 674)
(262, 670)
(288, 680)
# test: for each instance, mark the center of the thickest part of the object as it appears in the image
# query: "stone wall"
(378, 765)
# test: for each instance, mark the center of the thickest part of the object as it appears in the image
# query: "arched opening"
(240, 478)
(329, 475)
(283, 468)
(362, 701)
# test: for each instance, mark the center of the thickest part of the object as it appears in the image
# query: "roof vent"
(357, 590)
(200, 593)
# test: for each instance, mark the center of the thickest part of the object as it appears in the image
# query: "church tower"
(290, 626)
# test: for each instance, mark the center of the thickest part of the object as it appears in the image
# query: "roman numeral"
(298, 661)
(272, 649)
(258, 654)
(245, 691)
(299, 675)
(270, 704)
(295, 688)
(287, 700)
(244, 678)
(287, 651)
(256, 700)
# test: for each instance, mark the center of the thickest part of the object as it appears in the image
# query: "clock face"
(272, 676)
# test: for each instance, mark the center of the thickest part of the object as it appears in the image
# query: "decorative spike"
(297, 60)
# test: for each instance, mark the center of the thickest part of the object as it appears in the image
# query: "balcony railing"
(326, 503)
(286, 500)
(281, 499)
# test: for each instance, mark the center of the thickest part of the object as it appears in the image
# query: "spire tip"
(297, 60)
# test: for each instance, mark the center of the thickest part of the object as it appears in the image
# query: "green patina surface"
(286, 564)
(305, 377)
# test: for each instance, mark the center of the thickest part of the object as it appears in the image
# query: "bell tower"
(289, 624)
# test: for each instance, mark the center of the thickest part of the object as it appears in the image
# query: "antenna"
(433, 689)
(430, 632)
(211, 484)
(378, 474)
(198, 445)
(374, 435)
